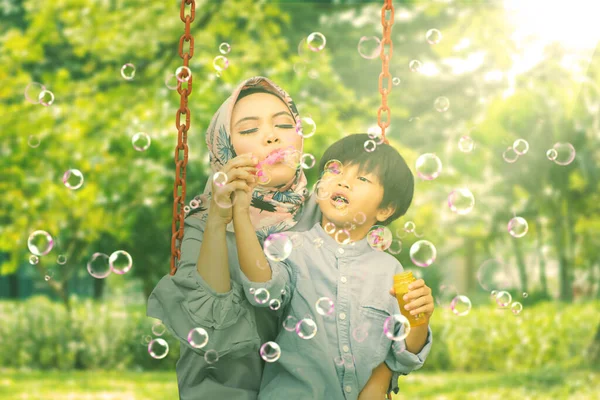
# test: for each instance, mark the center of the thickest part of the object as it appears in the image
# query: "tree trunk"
(565, 291)
(13, 286)
(471, 271)
(594, 350)
(520, 265)
(541, 259)
(99, 285)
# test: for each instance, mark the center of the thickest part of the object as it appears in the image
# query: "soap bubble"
(520, 146)
(433, 36)
(158, 348)
(510, 155)
(316, 41)
(441, 104)
(278, 247)
(423, 253)
(518, 227)
(428, 166)
(40, 243)
(270, 352)
(306, 328)
(461, 201)
(465, 144)
(197, 338)
(396, 327)
(460, 305)
(369, 47)
(565, 153)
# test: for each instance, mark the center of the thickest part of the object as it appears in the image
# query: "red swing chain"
(182, 129)
(385, 70)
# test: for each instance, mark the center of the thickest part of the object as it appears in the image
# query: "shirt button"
(348, 389)
(341, 251)
(342, 316)
(346, 348)
(343, 279)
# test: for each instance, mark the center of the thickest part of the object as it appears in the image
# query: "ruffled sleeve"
(185, 301)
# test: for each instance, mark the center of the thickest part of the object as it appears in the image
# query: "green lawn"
(537, 385)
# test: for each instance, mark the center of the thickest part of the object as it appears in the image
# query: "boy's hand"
(419, 298)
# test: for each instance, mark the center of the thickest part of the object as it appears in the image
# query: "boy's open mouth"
(340, 199)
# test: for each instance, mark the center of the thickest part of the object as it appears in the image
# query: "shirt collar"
(349, 250)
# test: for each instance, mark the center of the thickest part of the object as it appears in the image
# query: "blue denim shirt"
(350, 341)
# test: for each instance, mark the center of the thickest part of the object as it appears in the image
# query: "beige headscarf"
(271, 210)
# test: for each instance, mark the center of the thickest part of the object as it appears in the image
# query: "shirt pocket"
(369, 340)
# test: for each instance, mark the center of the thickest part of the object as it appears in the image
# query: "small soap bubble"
(211, 356)
(369, 47)
(46, 98)
(33, 259)
(158, 348)
(278, 247)
(428, 166)
(158, 328)
(274, 304)
(342, 236)
(525, 295)
(40, 243)
(360, 333)
(316, 41)
(128, 71)
(61, 259)
(141, 141)
(380, 237)
(466, 144)
(433, 36)
(289, 323)
(565, 153)
(99, 266)
(516, 308)
(120, 262)
(396, 327)
(270, 352)
(521, 146)
(306, 328)
(551, 154)
(460, 305)
(518, 227)
(33, 92)
(306, 127)
(461, 201)
(224, 48)
(33, 141)
(329, 228)
(324, 306)
(307, 161)
(423, 253)
(360, 218)
(503, 299)
(261, 295)
(197, 338)
(510, 155)
(220, 63)
(183, 74)
(220, 179)
(73, 179)
(441, 104)
(370, 146)
(396, 81)
(396, 247)
(409, 227)
(415, 65)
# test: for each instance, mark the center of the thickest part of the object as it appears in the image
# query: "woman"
(206, 290)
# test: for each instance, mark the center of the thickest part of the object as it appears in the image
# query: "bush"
(40, 334)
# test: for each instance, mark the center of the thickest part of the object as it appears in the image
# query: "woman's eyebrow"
(256, 118)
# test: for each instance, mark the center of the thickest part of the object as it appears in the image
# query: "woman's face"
(260, 124)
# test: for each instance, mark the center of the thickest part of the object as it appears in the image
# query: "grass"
(106, 385)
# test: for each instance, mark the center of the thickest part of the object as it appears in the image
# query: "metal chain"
(182, 130)
(385, 70)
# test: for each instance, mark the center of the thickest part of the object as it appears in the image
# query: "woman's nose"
(272, 139)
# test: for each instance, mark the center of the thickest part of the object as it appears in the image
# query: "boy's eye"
(362, 177)
(286, 126)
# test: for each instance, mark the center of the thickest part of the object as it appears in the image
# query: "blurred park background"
(506, 95)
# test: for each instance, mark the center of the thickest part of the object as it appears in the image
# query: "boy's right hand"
(239, 171)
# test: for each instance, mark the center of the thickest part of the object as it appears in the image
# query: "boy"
(329, 287)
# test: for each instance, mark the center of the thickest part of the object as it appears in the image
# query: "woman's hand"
(240, 172)
(419, 298)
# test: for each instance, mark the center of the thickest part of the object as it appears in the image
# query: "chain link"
(182, 130)
(385, 68)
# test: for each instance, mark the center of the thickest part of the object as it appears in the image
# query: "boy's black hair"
(384, 162)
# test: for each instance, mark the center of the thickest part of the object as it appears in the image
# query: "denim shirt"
(350, 341)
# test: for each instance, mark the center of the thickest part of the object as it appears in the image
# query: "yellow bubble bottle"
(401, 282)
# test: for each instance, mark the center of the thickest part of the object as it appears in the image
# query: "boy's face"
(347, 196)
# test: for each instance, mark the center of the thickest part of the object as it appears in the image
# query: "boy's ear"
(385, 213)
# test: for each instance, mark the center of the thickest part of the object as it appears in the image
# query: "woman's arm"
(378, 383)
(213, 263)
(251, 256)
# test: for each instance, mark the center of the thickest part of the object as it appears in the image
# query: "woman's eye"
(285, 126)
(248, 131)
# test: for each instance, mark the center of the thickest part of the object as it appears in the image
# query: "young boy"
(331, 288)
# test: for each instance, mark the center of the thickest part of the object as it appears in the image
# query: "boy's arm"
(378, 383)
